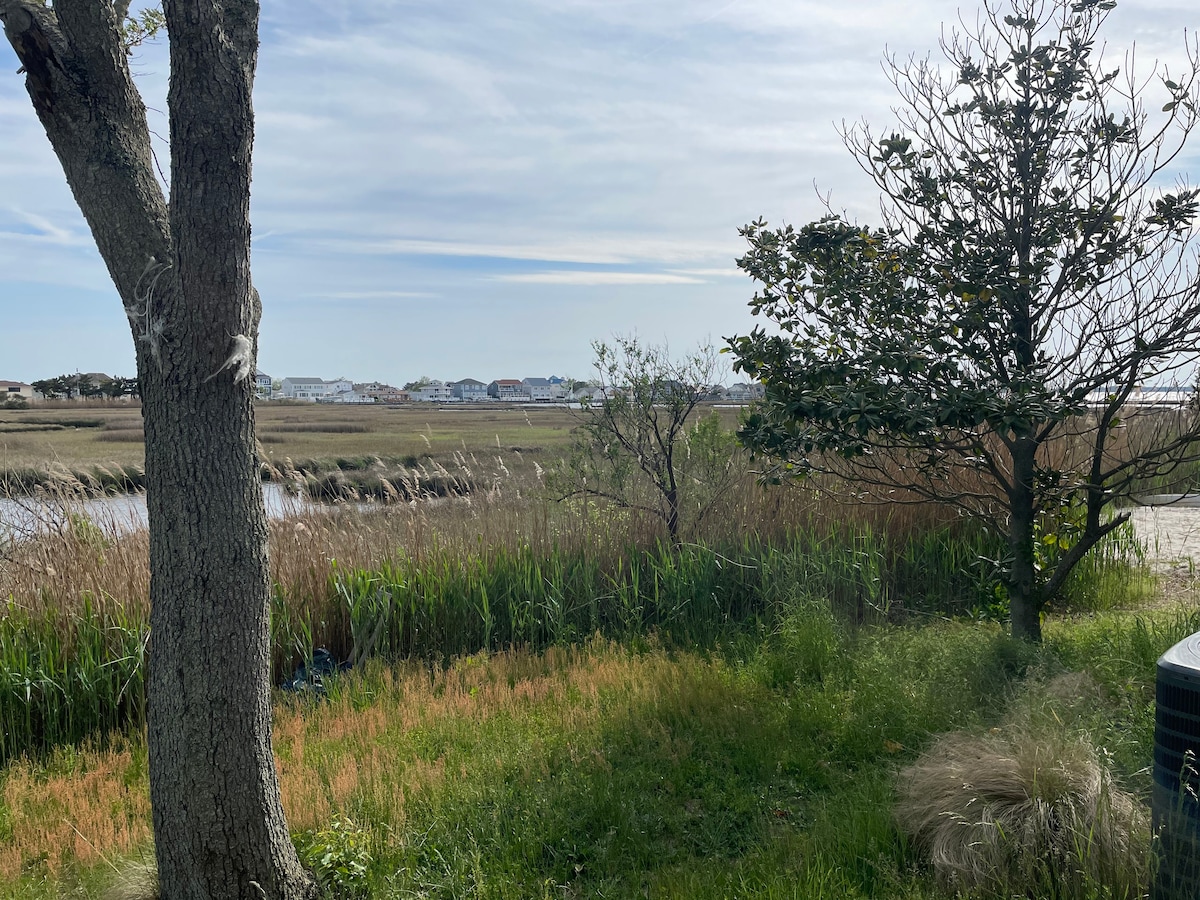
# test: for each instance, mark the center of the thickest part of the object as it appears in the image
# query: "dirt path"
(1171, 534)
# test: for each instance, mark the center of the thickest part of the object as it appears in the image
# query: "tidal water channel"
(116, 515)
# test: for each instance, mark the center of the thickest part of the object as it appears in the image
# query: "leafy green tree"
(68, 386)
(129, 387)
(641, 447)
(571, 385)
(49, 388)
(88, 388)
(117, 387)
(64, 387)
(1032, 272)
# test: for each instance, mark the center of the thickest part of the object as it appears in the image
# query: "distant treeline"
(88, 386)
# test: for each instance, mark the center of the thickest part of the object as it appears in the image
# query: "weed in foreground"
(1024, 812)
(338, 856)
(136, 880)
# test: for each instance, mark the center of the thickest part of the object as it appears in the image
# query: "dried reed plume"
(135, 881)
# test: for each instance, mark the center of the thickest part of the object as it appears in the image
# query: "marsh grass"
(63, 681)
(603, 770)
(77, 437)
(495, 569)
(25, 428)
(56, 485)
(122, 435)
(379, 482)
(321, 428)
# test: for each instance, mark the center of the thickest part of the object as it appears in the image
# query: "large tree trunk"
(1024, 599)
(183, 273)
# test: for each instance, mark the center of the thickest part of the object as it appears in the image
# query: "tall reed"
(446, 604)
(501, 567)
(61, 680)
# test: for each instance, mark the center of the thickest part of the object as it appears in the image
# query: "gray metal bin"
(1176, 803)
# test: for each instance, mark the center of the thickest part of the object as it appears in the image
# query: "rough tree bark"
(182, 269)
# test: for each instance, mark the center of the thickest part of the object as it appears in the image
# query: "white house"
(434, 392)
(1153, 395)
(12, 389)
(589, 395)
(351, 397)
(310, 389)
(542, 390)
(323, 391)
(262, 385)
(743, 393)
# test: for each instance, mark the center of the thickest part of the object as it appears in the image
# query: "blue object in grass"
(310, 677)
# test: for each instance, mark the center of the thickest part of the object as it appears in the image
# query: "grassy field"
(80, 435)
(763, 769)
(100, 440)
(551, 701)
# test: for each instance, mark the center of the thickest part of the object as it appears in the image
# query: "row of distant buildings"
(342, 390)
(525, 390)
(468, 390)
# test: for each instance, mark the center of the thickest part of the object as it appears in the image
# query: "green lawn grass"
(759, 769)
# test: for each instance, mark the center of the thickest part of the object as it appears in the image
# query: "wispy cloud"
(41, 229)
(372, 295)
(596, 278)
(581, 250)
(731, 272)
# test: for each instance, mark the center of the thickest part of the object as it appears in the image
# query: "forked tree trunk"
(183, 273)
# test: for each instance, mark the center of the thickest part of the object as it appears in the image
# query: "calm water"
(119, 514)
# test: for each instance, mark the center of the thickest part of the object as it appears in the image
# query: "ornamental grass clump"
(1024, 812)
(137, 880)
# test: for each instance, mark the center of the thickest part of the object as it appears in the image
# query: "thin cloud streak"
(712, 273)
(582, 250)
(596, 278)
(373, 295)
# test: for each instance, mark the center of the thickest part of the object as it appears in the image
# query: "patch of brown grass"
(89, 805)
(92, 806)
(340, 753)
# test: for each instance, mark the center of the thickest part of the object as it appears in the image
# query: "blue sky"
(480, 189)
